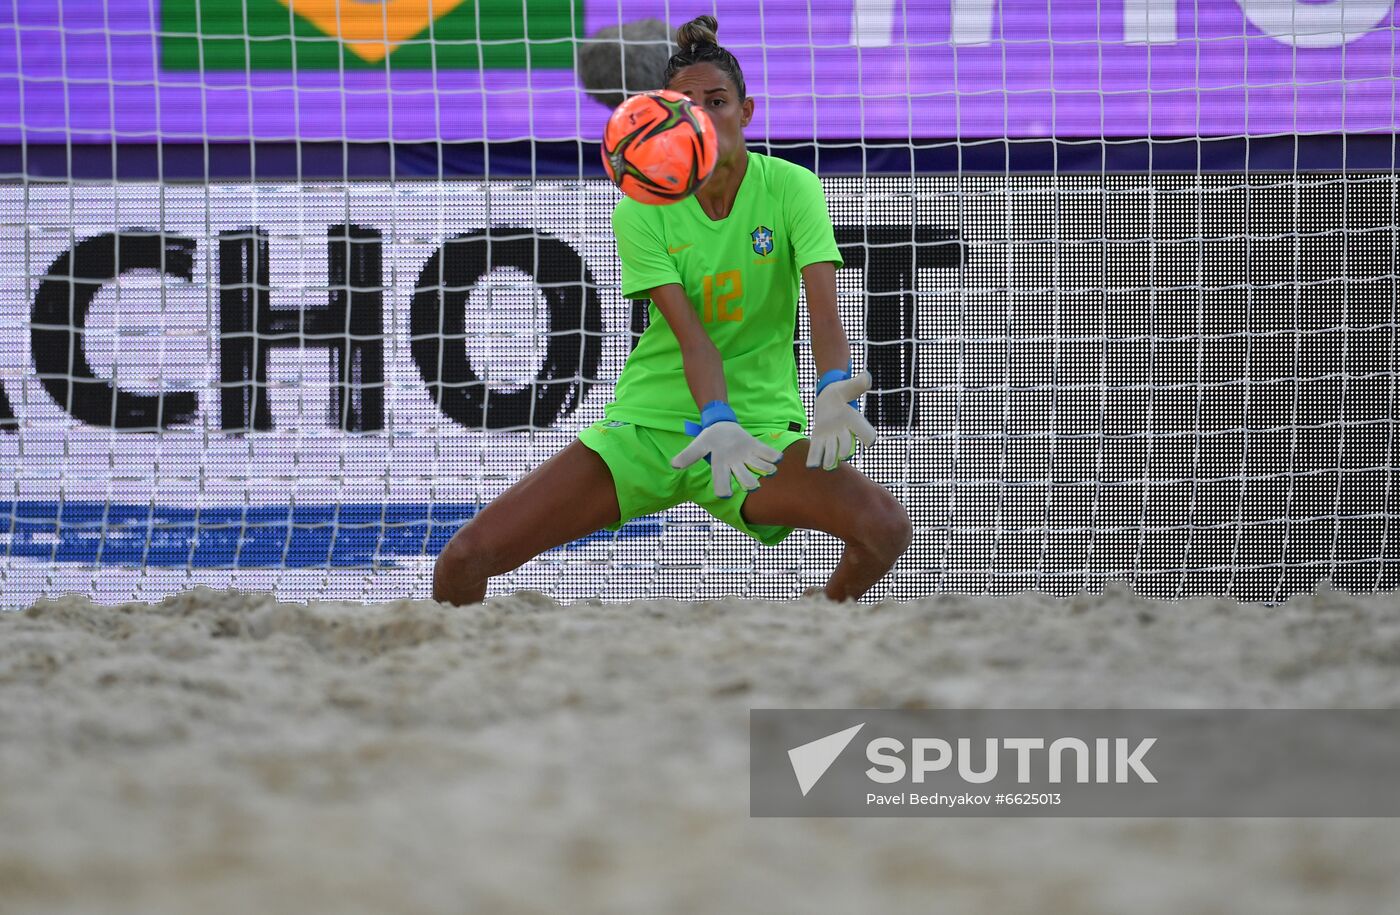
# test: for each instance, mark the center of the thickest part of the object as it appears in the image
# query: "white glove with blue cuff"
(836, 419)
(731, 451)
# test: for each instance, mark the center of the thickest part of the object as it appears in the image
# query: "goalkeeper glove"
(836, 419)
(730, 450)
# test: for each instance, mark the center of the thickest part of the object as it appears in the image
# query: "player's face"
(712, 88)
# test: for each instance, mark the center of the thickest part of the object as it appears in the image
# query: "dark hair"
(698, 45)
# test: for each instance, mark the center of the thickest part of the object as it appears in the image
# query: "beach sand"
(224, 752)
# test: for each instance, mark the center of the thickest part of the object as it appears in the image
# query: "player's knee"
(887, 530)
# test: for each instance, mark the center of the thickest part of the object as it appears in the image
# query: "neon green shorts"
(640, 461)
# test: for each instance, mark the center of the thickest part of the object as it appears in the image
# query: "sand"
(223, 752)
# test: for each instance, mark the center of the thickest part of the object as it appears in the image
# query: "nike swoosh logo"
(678, 248)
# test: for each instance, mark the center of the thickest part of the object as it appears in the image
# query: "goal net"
(289, 289)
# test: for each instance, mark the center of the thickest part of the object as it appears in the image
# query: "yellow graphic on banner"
(371, 29)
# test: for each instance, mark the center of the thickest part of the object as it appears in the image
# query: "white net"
(289, 290)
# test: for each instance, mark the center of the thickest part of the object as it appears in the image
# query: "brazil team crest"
(762, 240)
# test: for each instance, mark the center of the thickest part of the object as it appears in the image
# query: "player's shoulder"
(775, 169)
(776, 166)
(781, 175)
(629, 212)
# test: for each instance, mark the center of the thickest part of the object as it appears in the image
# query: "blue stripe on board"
(265, 536)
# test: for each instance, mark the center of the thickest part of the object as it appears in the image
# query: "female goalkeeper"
(710, 395)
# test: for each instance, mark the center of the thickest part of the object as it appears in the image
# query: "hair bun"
(701, 30)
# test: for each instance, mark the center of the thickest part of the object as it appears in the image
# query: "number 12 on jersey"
(720, 290)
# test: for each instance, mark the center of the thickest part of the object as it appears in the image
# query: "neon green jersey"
(742, 275)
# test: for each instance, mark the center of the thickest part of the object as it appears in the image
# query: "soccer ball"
(659, 147)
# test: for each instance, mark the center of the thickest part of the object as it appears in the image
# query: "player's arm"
(731, 451)
(836, 420)
(830, 348)
(704, 367)
(648, 272)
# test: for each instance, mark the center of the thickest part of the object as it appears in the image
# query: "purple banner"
(88, 71)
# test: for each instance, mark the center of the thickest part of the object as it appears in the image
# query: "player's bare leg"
(571, 495)
(844, 503)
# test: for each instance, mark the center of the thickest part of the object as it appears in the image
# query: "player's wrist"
(717, 411)
(831, 376)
